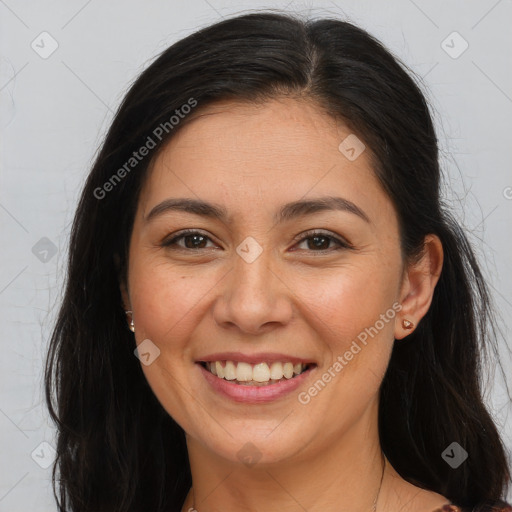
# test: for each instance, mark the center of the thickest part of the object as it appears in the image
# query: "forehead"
(271, 152)
(255, 128)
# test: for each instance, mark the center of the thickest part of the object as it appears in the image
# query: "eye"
(197, 239)
(321, 239)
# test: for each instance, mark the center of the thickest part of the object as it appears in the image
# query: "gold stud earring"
(406, 324)
(132, 325)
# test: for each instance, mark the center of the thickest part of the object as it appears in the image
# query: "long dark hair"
(118, 449)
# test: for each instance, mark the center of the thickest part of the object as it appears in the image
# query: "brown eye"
(192, 240)
(320, 241)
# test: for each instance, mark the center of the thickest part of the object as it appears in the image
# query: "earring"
(132, 325)
(406, 324)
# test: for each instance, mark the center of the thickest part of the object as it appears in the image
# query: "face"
(265, 283)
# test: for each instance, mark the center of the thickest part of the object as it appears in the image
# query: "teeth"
(276, 371)
(230, 371)
(246, 373)
(261, 372)
(219, 369)
(288, 370)
(243, 372)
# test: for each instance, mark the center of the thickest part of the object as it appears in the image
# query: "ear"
(419, 282)
(122, 284)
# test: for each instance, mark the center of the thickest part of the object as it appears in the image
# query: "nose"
(254, 298)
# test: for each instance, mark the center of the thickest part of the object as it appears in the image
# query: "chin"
(255, 446)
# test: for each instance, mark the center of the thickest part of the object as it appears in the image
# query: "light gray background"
(55, 110)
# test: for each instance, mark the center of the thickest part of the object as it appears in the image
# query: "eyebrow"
(288, 212)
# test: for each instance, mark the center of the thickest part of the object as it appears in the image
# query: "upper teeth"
(261, 372)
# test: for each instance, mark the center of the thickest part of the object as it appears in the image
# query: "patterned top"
(488, 506)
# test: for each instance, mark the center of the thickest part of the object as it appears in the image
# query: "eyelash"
(304, 236)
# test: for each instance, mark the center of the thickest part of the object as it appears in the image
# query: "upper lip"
(253, 358)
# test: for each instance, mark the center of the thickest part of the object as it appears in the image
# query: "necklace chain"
(380, 485)
(374, 507)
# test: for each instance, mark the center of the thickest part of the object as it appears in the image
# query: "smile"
(254, 383)
(260, 374)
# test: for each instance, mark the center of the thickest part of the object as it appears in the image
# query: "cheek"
(348, 300)
(164, 298)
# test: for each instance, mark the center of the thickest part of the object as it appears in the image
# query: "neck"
(344, 472)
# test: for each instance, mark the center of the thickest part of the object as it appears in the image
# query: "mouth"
(261, 374)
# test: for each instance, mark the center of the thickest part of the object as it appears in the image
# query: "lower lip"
(254, 394)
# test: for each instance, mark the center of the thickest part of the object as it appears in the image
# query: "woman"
(305, 319)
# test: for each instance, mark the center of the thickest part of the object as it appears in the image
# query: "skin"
(294, 298)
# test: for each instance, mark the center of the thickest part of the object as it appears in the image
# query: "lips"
(254, 392)
(254, 378)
